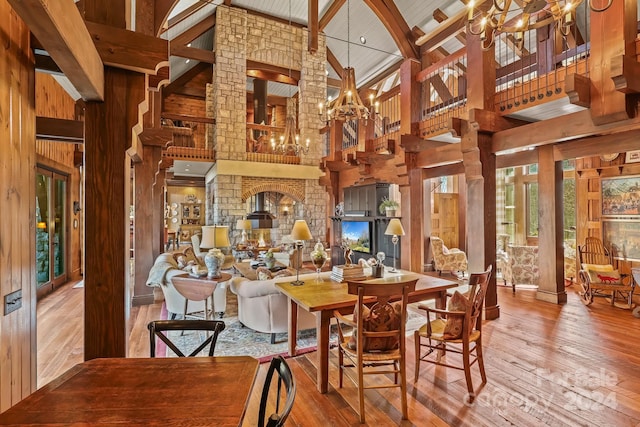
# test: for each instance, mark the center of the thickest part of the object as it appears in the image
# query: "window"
(532, 209)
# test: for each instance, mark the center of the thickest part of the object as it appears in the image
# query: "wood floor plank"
(547, 364)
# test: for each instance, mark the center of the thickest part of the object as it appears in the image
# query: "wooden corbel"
(578, 88)
(625, 73)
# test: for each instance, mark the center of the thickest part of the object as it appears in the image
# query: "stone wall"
(241, 37)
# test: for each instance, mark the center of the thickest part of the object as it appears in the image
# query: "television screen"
(356, 235)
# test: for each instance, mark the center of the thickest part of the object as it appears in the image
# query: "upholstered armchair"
(502, 241)
(447, 259)
(570, 261)
(522, 266)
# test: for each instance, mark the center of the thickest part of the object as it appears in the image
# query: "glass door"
(51, 227)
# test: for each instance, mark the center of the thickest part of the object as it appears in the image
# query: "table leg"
(293, 327)
(323, 322)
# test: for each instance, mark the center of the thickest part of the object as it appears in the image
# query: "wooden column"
(413, 208)
(550, 229)
(148, 212)
(607, 45)
(107, 136)
(108, 132)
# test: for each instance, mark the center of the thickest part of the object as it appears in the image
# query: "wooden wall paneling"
(17, 185)
(183, 105)
(52, 100)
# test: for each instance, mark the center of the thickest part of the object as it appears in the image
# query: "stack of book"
(341, 273)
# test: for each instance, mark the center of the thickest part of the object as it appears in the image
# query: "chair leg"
(361, 390)
(467, 371)
(416, 340)
(403, 389)
(340, 367)
(480, 360)
(273, 338)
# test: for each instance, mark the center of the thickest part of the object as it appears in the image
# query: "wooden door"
(445, 218)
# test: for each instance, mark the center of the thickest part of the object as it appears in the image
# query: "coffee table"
(325, 297)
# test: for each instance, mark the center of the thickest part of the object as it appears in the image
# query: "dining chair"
(160, 329)
(377, 345)
(455, 330)
(285, 377)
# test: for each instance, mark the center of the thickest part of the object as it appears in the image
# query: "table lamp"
(299, 233)
(214, 237)
(394, 229)
(244, 225)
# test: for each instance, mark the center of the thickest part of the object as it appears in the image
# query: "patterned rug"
(238, 340)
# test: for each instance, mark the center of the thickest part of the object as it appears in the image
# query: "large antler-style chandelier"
(524, 16)
(348, 105)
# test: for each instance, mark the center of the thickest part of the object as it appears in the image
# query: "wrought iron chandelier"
(523, 17)
(290, 141)
(348, 105)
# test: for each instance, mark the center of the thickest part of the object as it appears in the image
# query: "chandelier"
(290, 141)
(348, 105)
(523, 17)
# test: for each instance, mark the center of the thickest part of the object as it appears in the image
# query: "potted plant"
(388, 207)
(269, 259)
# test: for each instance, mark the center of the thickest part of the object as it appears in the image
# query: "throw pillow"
(263, 273)
(283, 273)
(190, 255)
(380, 318)
(453, 327)
(597, 267)
(607, 277)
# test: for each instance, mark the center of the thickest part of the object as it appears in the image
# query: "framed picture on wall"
(624, 236)
(621, 196)
(632, 156)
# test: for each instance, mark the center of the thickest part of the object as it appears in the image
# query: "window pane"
(532, 209)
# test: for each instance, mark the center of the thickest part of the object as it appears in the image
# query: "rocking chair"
(599, 278)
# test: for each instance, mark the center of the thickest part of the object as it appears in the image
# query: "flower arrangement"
(387, 204)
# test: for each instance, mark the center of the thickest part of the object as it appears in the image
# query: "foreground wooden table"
(185, 391)
(327, 296)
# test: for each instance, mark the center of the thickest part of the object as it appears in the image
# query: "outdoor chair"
(378, 340)
(160, 329)
(285, 377)
(456, 330)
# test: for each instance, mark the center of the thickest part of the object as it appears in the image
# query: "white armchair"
(447, 259)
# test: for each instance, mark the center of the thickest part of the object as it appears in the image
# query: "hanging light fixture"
(533, 14)
(348, 105)
(290, 140)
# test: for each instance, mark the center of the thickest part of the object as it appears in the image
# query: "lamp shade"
(215, 236)
(394, 228)
(301, 230)
(243, 224)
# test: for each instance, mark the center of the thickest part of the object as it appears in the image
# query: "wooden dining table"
(184, 391)
(325, 296)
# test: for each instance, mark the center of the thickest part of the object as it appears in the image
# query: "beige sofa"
(263, 308)
(165, 268)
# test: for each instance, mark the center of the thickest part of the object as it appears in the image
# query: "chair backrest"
(594, 252)
(380, 327)
(478, 283)
(160, 328)
(195, 244)
(285, 377)
(437, 246)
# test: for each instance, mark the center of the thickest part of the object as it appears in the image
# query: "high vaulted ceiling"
(389, 28)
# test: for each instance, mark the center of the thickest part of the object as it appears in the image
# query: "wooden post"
(550, 229)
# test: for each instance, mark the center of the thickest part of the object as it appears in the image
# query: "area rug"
(238, 340)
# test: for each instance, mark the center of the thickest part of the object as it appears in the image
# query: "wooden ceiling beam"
(61, 130)
(184, 78)
(120, 48)
(447, 29)
(333, 62)
(388, 13)
(330, 13)
(195, 31)
(312, 24)
(261, 66)
(202, 55)
(61, 30)
(161, 11)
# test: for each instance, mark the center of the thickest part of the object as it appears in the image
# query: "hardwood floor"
(555, 365)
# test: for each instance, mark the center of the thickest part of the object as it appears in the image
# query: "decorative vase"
(390, 211)
(214, 260)
(270, 262)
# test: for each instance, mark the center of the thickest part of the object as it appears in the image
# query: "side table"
(198, 289)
